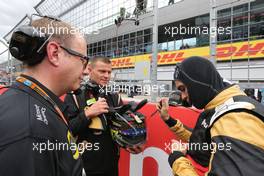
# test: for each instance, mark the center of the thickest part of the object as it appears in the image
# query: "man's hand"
(136, 149)
(97, 108)
(163, 108)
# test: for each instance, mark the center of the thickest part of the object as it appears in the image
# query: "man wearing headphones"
(35, 138)
(100, 153)
(231, 122)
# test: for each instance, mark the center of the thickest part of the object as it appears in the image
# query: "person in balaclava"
(230, 124)
(210, 86)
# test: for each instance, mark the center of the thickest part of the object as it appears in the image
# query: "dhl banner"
(225, 52)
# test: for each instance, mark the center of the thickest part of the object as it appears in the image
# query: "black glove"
(173, 156)
(171, 122)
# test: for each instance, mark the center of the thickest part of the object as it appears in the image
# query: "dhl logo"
(235, 51)
(240, 52)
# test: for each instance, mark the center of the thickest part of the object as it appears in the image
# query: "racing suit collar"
(224, 95)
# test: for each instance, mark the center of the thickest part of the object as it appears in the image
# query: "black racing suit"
(31, 132)
(102, 154)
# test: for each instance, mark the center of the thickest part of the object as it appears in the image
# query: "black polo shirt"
(34, 139)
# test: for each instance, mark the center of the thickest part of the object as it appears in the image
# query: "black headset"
(28, 44)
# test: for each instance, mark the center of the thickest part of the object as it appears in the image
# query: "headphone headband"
(27, 43)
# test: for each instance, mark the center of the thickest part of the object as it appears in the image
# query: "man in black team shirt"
(35, 139)
(101, 154)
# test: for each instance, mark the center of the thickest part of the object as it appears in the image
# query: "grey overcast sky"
(12, 11)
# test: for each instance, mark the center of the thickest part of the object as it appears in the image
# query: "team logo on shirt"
(41, 114)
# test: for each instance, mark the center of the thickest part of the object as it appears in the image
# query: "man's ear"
(53, 53)
(89, 68)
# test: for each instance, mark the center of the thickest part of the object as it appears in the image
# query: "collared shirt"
(54, 97)
(34, 140)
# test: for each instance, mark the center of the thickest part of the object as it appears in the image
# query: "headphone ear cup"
(25, 43)
(14, 52)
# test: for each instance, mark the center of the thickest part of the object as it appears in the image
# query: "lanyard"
(42, 93)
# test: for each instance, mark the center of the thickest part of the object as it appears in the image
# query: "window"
(132, 50)
(139, 40)
(147, 31)
(224, 22)
(163, 46)
(90, 51)
(171, 46)
(202, 39)
(257, 4)
(139, 49)
(240, 9)
(139, 33)
(132, 42)
(224, 13)
(99, 47)
(147, 48)
(126, 47)
(178, 44)
(189, 43)
(114, 43)
(126, 36)
(240, 19)
(240, 33)
(132, 35)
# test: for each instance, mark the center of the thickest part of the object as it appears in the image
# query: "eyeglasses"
(84, 59)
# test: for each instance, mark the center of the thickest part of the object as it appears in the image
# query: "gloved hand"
(178, 150)
(174, 156)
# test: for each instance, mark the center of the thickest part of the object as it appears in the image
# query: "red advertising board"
(2, 89)
(153, 161)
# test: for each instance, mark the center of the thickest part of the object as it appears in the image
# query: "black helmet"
(128, 126)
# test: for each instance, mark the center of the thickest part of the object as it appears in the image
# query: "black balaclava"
(201, 79)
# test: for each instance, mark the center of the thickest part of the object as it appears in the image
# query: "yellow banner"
(225, 52)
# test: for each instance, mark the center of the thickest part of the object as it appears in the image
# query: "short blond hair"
(103, 59)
